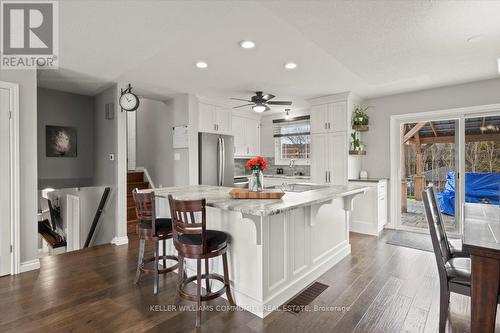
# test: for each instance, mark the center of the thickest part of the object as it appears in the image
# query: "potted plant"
(360, 118)
(257, 165)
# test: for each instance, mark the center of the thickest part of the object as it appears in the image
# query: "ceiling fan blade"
(267, 97)
(236, 107)
(240, 99)
(279, 103)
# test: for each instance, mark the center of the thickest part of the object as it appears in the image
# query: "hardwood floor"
(383, 288)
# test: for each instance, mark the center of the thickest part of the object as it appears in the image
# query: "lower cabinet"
(369, 213)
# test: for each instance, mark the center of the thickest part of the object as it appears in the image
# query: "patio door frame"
(459, 114)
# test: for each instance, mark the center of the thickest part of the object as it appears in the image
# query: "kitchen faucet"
(291, 165)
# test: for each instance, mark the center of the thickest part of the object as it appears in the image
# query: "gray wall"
(66, 109)
(154, 141)
(105, 139)
(377, 159)
(28, 158)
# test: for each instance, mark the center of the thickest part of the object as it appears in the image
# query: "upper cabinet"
(214, 119)
(329, 117)
(246, 132)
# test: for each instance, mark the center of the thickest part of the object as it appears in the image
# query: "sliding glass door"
(482, 167)
(429, 156)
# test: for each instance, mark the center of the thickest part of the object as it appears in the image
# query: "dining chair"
(455, 248)
(454, 271)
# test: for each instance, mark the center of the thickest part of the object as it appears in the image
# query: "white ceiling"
(370, 47)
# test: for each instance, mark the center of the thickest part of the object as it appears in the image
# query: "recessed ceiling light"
(201, 64)
(247, 44)
(290, 65)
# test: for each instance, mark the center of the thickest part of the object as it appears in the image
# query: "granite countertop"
(368, 180)
(277, 176)
(218, 197)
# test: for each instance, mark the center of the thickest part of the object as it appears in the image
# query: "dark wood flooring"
(383, 288)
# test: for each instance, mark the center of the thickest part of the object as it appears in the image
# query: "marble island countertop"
(218, 197)
(278, 176)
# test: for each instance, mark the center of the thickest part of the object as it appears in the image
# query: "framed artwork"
(60, 141)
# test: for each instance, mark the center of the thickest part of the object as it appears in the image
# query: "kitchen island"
(276, 247)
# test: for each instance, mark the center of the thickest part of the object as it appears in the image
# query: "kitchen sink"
(297, 187)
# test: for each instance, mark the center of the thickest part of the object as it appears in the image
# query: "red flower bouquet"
(257, 163)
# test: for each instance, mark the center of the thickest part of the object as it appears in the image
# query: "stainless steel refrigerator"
(216, 159)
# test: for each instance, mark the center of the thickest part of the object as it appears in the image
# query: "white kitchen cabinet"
(214, 119)
(267, 139)
(329, 117)
(329, 158)
(369, 214)
(246, 132)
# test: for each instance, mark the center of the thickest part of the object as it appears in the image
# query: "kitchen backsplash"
(240, 168)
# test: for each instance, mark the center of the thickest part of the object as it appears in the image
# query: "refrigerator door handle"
(219, 166)
(223, 161)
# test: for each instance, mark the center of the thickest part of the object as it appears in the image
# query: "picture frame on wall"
(61, 141)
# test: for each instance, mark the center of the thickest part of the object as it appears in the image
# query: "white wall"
(154, 141)
(377, 159)
(28, 158)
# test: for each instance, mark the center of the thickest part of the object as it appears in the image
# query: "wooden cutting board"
(239, 193)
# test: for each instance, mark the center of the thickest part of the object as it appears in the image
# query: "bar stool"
(193, 241)
(151, 228)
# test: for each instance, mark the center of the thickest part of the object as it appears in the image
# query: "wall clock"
(128, 100)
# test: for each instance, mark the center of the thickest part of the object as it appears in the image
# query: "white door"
(224, 120)
(338, 159)
(253, 137)
(319, 158)
(319, 118)
(338, 117)
(240, 148)
(207, 118)
(5, 214)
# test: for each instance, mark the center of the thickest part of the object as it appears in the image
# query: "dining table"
(481, 239)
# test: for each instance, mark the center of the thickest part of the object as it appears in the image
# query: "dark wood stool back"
(151, 228)
(192, 240)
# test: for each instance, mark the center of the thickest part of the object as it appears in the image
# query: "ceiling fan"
(261, 102)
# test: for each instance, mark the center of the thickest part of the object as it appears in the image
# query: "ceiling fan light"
(259, 108)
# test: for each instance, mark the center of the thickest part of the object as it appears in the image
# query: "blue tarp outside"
(480, 187)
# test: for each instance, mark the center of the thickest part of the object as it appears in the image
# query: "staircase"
(135, 179)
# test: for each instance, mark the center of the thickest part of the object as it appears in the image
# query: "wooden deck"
(385, 289)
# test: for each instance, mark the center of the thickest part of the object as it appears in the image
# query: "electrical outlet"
(111, 157)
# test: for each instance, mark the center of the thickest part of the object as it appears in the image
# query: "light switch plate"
(111, 157)
(177, 157)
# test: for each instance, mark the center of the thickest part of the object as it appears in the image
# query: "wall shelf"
(360, 128)
(357, 152)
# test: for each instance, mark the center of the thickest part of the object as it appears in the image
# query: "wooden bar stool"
(151, 228)
(193, 241)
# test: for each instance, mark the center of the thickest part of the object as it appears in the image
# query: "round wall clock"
(128, 100)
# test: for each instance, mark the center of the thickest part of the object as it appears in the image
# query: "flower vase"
(256, 182)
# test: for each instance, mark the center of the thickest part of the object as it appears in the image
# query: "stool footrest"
(207, 297)
(160, 271)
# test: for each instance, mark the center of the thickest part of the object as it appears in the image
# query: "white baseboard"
(29, 265)
(119, 240)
